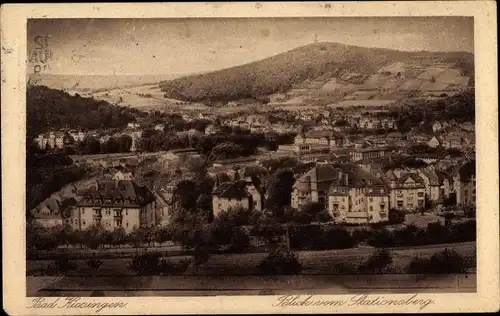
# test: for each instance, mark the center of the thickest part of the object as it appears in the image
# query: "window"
(76, 221)
(371, 208)
(420, 194)
(126, 212)
(371, 199)
(108, 212)
(126, 224)
(83, 222)
(410, 199)
(83, 210)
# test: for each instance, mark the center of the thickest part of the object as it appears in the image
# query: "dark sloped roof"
(322, 133)
(119, 192)
(235, 189)
(415, 177)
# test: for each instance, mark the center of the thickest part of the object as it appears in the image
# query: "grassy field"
(314, 262)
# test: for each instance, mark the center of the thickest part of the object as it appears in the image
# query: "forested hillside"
(50, 109)
(280, 73)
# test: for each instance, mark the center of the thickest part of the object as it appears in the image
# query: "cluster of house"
(354, 195)
(113, 203)
(255, 123)
(328, 140)
(325, 140)
(66, 137)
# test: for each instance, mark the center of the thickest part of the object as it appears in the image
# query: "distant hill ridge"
(326, 61)
(50, 109)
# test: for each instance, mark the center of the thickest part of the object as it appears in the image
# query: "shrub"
(234, 238)
(361, 235)
(201, 254)
(280, 261)
(305, 237)
(377, 262)
(435, 233)
(443, 262)
(240, 241)
(94, 264)
(165, 267)
(408, 236)
(382, 238)
(269, 230)
(336, 238)
(396, 216)
(465, 231)
(145, 264)
(64, 265)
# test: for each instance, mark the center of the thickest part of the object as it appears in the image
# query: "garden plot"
(412, 84)
(431, 73)
(394, 68)
(453, 76)
(433, 86)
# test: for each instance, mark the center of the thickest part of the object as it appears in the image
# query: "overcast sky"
(180, 46)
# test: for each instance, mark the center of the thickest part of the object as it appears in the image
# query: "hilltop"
(331, 72)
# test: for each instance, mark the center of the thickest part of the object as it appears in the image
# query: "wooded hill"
(279, 73)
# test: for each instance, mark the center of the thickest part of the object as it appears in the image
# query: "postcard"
(289, 158)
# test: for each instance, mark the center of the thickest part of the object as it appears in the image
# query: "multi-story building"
(236, 194)
(369, 153)
(123, 175)
(358, 197)
(452, 141)
(407, 190)
(313, 186)
(78, 136)
(115, 204)
(326, 138)
(48, 213)
(50, 140)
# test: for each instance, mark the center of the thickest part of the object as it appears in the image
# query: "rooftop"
(122, 192)
(234, 189)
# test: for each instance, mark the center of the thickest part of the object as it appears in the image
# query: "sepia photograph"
(250, 156)
(315, 160)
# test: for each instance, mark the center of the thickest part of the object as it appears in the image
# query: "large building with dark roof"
(350, 193)
(115, 204)
(358, 197)
(236, 194)
(407, 190)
